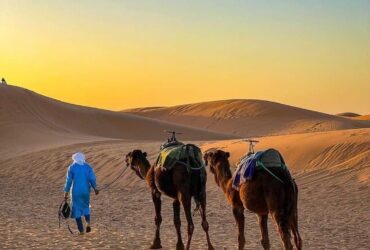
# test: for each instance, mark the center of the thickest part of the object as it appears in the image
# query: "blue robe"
(81, 178)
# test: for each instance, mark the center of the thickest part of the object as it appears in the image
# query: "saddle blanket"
(248, 164)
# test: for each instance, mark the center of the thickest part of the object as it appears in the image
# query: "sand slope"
(249, 117)
(331, 168)
(334, 151)
(32, 121)
(362, 117)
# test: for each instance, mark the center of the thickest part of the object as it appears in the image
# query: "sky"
(125, 54)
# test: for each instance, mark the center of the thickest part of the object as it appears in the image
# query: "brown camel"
(179, 184)
(262, 195)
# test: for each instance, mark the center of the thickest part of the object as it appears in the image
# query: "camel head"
(137, 161)
(218, 162)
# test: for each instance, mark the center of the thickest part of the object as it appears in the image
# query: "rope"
(108, 185)
(267, 170)
(197, 168)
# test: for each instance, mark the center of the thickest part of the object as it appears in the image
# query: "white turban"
(78, 158)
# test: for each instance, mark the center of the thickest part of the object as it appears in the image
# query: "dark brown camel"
(263, 195)
(180, 185)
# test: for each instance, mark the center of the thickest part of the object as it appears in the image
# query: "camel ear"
(145, 154)
(227, 154)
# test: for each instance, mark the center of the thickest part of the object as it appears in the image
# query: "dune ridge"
(348, 114)
(243, 117)
(29, 120)
(362, 117)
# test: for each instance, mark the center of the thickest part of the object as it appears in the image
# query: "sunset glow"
(125, 54)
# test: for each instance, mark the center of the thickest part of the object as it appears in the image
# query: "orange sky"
(123, 54)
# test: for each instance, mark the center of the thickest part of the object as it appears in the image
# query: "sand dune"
(348, 114)
(249, 118)
(362, 117)
(29, 121)
(39, 135)
(355, 116)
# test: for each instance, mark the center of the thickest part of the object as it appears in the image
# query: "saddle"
(188, 155)
(261, 160)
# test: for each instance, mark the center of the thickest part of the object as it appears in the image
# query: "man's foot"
(81, 233)
(88, 229)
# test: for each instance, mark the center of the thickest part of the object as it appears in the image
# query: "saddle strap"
(259, 163)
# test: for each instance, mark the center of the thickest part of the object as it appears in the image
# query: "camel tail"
(291, 196)
(289, 202)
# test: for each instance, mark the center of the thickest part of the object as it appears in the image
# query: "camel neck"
(224, 182)
(224, 176)
(146, 166)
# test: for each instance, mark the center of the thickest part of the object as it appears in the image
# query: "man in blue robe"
(80, 177)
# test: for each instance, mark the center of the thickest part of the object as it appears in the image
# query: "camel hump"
(271, 158)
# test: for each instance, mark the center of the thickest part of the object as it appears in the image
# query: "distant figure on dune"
(81, 177)
(3, 82)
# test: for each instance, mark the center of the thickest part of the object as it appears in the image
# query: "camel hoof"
(156, 246)
(180, 246)
(210, 247)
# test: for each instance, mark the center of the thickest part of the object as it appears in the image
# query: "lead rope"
(107, 185)
(69, 228)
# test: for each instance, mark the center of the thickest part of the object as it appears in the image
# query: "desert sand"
(38, 136)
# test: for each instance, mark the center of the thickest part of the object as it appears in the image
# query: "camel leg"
(186, 203)
(262, 220)
(205, 225)
(156, 196)
(177, 222)
(238, 213)
(297, 236)
(293, 219)
(284, 229)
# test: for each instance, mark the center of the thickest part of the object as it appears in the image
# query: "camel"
(263, 195)
(177, 183)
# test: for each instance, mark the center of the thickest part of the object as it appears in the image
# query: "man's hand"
(96, 191)
(66, 196)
